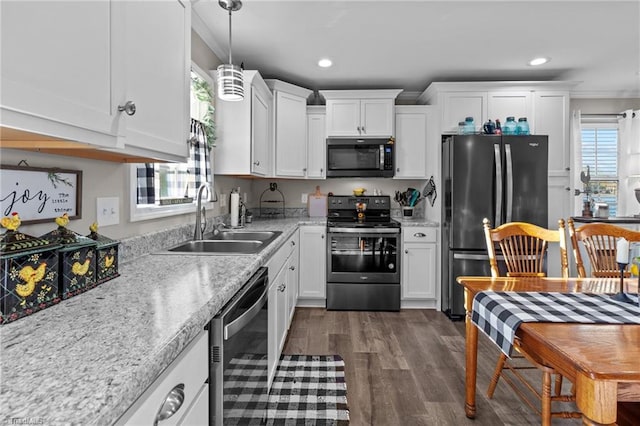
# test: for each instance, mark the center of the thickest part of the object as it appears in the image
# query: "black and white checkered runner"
(307, 390)
(499, 314)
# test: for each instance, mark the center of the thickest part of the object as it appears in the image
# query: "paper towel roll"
(235, 208)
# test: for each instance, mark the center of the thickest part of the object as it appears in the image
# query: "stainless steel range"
(363, 256)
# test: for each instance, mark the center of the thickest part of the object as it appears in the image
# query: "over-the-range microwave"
(360, 157)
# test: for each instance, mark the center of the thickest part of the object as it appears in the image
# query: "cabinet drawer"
(189, 371)
(419, 235)
(280, 257)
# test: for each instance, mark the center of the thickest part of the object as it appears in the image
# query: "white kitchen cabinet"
(501, 105)
(419, 267)
(413, 159)
(244, 141)
(551, 113)
(59, 76)
(157, 62)
(360, 113)
(188, 374)
(283, 269)
(316, 142)
(456, 106)
(67, 78)
(313, 272)
(290, 128)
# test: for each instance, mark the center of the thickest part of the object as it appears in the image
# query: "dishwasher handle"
(258, 280)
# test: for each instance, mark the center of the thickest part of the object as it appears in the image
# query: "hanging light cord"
(230, 57)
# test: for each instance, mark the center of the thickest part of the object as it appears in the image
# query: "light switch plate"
(107, 211)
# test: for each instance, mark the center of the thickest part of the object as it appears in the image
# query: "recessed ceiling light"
(325, 63)
(538, 61)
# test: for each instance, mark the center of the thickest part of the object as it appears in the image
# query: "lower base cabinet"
(419, 267)
(313, 266)
(283, 288)
(184, 379)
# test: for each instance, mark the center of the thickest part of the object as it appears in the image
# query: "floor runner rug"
(307, 390)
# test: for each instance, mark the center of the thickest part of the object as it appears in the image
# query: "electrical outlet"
(223, 200)
(304, 198)
(107, 211)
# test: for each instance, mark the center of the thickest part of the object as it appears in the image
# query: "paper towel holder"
(272, 198)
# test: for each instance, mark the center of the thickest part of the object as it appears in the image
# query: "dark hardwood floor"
(407, 368)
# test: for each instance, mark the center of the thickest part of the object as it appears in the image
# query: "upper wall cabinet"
(104, 75)
(316, 142)
(290, 128)
(59, 76)
(244, 130)
(414, 125)
(360, 113)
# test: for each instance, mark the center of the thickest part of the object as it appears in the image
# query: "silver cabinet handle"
(129, 107)
(363, 131)
(398, 170)
(256, 163)
(406, 251)
(321, 170)
(304, 169)
(322, 236)
(419, 235)
(171, 403)
(293, 268)
(293, 243)
(281, 287)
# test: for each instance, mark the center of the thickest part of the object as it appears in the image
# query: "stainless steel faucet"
(200, 214)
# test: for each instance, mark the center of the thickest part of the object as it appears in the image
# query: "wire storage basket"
(272, 202)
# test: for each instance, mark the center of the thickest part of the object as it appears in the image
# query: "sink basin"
(227, 242)
(218, 247)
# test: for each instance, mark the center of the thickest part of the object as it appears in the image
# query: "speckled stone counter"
(87, 359)
(416, 221)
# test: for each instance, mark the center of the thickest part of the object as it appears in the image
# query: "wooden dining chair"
(524, 247)
(599, 241)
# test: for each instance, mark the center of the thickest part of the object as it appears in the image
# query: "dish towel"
(499, 314)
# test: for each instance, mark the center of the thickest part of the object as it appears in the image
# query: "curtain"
(576, 143)
(199, 157)
(146, 187)
(629, 162)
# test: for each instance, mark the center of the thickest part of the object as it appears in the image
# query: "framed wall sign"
(40, 194)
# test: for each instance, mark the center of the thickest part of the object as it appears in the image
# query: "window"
(600, 155)
(164, 189)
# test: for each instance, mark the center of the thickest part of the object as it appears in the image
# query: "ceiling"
(409, 44)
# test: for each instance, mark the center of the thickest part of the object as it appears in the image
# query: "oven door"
(363, 255)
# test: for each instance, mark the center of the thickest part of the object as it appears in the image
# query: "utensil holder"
(407, 211)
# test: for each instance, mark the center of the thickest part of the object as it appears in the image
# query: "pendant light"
(230, 77)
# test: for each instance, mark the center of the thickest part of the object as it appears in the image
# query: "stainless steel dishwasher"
(238, 355)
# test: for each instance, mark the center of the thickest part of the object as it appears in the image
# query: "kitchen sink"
(227, 242)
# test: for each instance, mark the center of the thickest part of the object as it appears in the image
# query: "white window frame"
(602, 124)
(148, 212)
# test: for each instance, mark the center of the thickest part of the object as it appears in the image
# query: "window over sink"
(166, 189)
(600, 154)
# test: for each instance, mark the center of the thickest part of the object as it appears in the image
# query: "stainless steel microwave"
(360, 157)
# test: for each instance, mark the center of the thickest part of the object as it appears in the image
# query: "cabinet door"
(157, 53)
(260, 111)
(198, 413)
(58, 72)
(313, 255)
(343, 117)
(316, 146)
(411, 143)
(273, 350)
(458, 105)
(504, 104)
(290, 135)
(376, 117)
(292, 284)
(552, 119)
(419, 271)
(282, 314)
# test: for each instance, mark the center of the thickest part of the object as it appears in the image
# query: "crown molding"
(198, 25)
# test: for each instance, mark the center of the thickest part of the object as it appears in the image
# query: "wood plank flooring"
(407, 368)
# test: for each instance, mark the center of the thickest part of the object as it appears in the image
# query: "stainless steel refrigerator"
(502, 178)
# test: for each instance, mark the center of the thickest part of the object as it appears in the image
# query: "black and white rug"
(307, 390)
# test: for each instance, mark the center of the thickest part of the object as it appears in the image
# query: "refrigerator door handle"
(509, 174)
(498, 183)
(483, 257)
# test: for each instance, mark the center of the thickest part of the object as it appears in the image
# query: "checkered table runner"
(499, 314)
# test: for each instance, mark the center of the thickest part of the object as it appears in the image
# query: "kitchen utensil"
(414, 198)
(317, 204)
(429, 191)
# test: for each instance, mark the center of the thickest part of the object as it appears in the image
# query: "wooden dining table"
(602, 360)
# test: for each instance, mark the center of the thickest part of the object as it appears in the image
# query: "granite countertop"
(613, 220)
(88, 358)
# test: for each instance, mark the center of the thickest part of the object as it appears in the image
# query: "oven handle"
(362, 231)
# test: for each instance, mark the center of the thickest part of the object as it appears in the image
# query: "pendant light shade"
(230, 77)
